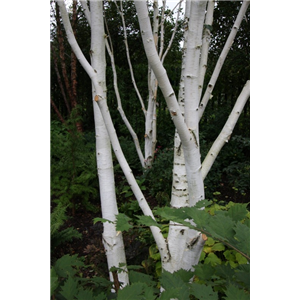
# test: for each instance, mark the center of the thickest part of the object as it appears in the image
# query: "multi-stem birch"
(101, 102)
(190, 147)
(189, 144)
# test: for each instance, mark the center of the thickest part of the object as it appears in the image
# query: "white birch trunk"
(192, 239)
(112, 240)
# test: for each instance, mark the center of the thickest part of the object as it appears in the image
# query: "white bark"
(120, 108)
(222, 57)
(112, 240)
(101, 101)
(226, 132)
(190, 146)
(205, 43)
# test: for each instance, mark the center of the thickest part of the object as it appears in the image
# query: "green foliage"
(67, 282)
(159, 177)
(73, 167)
(58, 217)
(223, 271)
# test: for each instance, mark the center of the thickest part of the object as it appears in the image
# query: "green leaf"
(243, 237)
(221, 226)
(218, 247)
(64, 265)
(203, 292)
(234, 293)
(212, 259)
(153, 252)
(175, 285)
(204, 272)
(141, 277)
(132, 292)
(180, 293)
(54, 280)
(85, 295)
(242, 274)
(69, 289)
(122, 222)
(96, 220)
(210, 241)
(242, 260)
(148, 221)
(238, 211)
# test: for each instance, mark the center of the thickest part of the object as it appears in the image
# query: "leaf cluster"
(223, 271)
(67, 282)
(58, 217)
(73, 166)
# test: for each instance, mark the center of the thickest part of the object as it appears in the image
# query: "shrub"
(73, 167)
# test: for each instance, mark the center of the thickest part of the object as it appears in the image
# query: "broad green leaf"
(100, 296)
(131, 292)
(85, 295)
(148, 221)
(243, 237)
(210, 241)
(171, 281)
(54, 280)
(175, 285)
(207, 249)
(184, 275)
(241, 259)
(238, 211)
(175, 215)
(179, 293)
(230, 255)
(218, 247)
(122, 222)
(242, 274)
(69, 289)
(141, 277)
(150, 293)
(221, 226)
(204, 272)
(212, 259)
(64, 265)
(234, 293)
(201, 291)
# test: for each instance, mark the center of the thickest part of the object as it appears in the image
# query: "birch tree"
(182, 248)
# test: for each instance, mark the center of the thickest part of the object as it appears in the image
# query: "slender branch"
(205, 43)
(120, 108)
(226, 132)
(173, 34)
(120, 10)
(162, 30)
(222, 57)
(86, 10)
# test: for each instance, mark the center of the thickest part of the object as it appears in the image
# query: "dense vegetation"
(77, 273)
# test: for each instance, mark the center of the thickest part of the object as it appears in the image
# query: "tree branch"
(226, 132)
(222, 57)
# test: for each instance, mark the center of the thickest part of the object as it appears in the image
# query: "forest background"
(73, 177)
